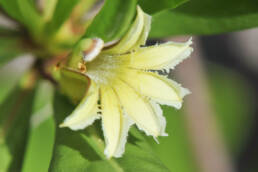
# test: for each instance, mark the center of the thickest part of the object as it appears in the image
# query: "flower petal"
(126, 124)
(162, 120)
(112, 120)
(157, 57)
(85, 113)
(145, 32)
(139, 109)
(157, 87)
(131, 37)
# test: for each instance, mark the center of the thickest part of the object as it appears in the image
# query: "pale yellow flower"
(126, 90)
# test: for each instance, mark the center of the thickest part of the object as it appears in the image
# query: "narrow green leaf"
(15, 112)
(63, 10)
(23, 11)
(83, 150)
(206, 17)
(5, 157)
(11, 73)
(49, 9)
(42, 130)
(9, 31)
(11, 7)
(154, 6)
(10, 47)
(113, 20)
(30, 16)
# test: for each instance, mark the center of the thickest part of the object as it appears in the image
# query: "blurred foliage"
(42, 130)
(175, 151)
(14, 122)
(206, 17)
(63, 10)
(30, 139)
(234, 105)
(154, 6)
(231, 97)
(9, 49)
(11, 73)
(83, 150)
(25, 12)
(120, 13)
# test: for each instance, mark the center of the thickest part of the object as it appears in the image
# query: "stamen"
(82, 67)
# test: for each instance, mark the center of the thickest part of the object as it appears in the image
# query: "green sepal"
(73, 83)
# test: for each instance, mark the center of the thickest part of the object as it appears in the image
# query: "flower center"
(105, 68)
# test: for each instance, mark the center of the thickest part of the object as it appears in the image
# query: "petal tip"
(164, 134)
(190, 41)
(185, 92)
(156, 139)
(62, 125)
(107, 154)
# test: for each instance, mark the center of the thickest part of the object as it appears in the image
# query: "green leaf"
(5, 157)
(113, 20)
(49, 8)
(24, 11)
(14, 125)
(30, 16)
(206, 17)
(42, 131)
(11, 73)
(11, 7)
(63, 10)
(8, 31)
(175, 151)
(10, 47)
(83, 150)
(154, 6)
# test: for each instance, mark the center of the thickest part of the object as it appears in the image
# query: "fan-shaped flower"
(125, 89)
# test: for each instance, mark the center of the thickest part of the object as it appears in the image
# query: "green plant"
(45, 89)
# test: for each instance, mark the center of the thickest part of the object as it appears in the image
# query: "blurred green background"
(217, 128)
